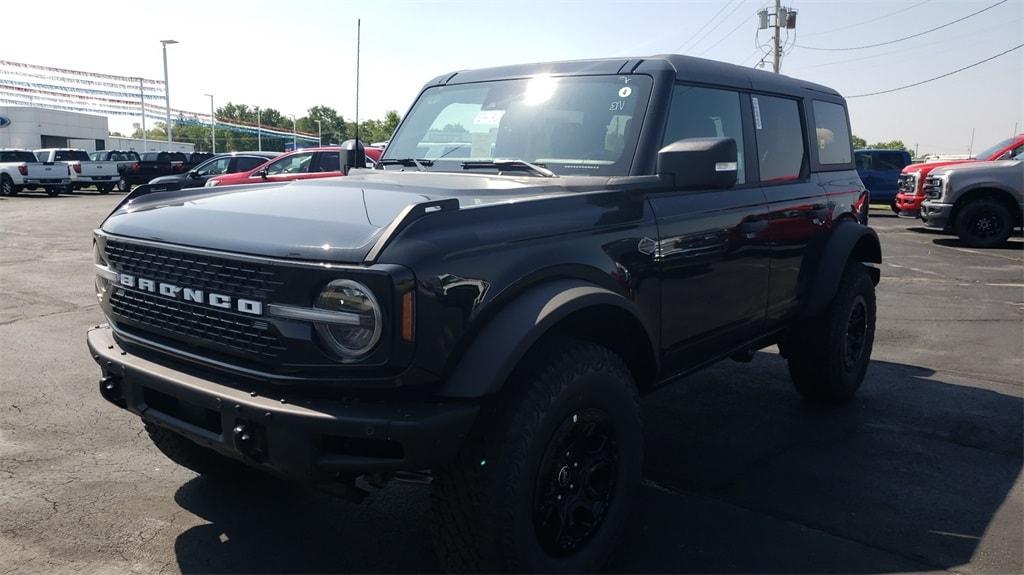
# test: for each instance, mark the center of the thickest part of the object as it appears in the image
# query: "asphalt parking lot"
(921, 473)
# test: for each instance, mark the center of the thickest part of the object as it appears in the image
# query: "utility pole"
(259, 134)
(213, 126)
(142, 99)
(776, 56)
(970, 149)
(777, 19)
(167, 92)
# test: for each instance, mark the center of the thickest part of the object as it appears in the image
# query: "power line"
(701, 29)
(730, 33)
(907, 37)
(908, 49)
(1017, 47)
(883, 17)
(720, 22)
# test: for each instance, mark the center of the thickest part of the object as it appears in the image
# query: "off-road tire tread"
(816, 378)
(460, 514)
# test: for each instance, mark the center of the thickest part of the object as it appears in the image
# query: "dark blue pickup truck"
(880, 172)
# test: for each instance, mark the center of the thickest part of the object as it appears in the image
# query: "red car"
(911, 185)
(304, 164)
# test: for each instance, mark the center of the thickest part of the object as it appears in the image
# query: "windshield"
(571, 125)
(987, 153)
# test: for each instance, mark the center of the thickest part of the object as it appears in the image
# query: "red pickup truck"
(910, 194)
(303, 164)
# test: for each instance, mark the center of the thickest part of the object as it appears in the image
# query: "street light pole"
(259, 134)
(319, 134)
(294, 145)
(167, 90)
(213, 126)
(142, 99)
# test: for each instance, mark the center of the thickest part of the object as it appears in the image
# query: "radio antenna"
(359, 23)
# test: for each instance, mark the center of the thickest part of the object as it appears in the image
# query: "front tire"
(829, 353)
(104, 189)
(123, 186)
(983, 223)
(547, 479)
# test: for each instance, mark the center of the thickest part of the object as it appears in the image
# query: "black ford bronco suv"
(538, 246)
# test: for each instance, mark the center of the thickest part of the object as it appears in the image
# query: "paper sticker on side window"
(757, 113)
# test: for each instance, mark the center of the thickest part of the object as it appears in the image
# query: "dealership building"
(32, 128)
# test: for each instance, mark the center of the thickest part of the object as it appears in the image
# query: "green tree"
(859, 142)
(890, 145)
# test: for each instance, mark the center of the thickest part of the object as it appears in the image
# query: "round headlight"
(357, 327)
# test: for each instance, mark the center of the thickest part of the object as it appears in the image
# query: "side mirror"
(699, 163)
(194, 174)
(262, 173)
(353, 155)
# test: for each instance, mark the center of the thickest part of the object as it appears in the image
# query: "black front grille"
(196, 324)
(212, 274)
(191, 323)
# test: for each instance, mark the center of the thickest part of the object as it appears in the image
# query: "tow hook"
(110, 389)
(249, 440)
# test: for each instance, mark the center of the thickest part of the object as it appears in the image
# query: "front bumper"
(936, 215)
(308, 439)
(908, 205)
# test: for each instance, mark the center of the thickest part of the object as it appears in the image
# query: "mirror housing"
(262, 173)
(699, 163)
(194, 174)
(353, 155)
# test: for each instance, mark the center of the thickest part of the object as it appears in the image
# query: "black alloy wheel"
(576, 481)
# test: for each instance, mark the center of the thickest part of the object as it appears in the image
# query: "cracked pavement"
(921, 473)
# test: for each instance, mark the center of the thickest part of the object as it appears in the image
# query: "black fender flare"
(496, 349)
(847, 239)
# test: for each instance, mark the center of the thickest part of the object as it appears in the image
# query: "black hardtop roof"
(686, 68)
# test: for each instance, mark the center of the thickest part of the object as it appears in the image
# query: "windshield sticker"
(625, 92)
(757, 114)
(488, 117)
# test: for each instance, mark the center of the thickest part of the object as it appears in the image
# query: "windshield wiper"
(418, 162)
(522, 165)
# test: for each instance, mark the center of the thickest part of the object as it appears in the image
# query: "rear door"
(798, 211)
(712, 249)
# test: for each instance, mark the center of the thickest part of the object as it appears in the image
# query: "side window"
(863, 160)
(890, 161)
(294, 164)
(780, 139)
(706, 113)
(833, 133)
(216, 167)
(329, 162)
(246, 163)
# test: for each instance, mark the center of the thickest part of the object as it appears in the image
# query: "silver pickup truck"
(981, 202)
(84, 171)
(19, 170)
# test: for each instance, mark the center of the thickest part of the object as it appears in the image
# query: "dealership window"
(833, 133)
(780, 139)
(706, 113)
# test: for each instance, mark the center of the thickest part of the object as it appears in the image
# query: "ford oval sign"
(4, 121)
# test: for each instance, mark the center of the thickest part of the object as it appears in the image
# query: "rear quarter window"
(833, 133)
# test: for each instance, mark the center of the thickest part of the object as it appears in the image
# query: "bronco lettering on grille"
(247, 306)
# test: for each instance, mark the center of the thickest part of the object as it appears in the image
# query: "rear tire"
(546, 480)
(188, 454)
(123, 186)
(983, 223)
(829, 353)
(7, 187)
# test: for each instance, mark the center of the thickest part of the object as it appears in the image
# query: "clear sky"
(292, 54)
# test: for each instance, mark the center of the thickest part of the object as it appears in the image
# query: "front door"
(712, 249)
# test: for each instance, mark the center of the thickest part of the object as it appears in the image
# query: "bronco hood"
(330, 219)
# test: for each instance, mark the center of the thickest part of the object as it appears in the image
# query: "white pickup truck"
(84, 171)
(20, 170)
